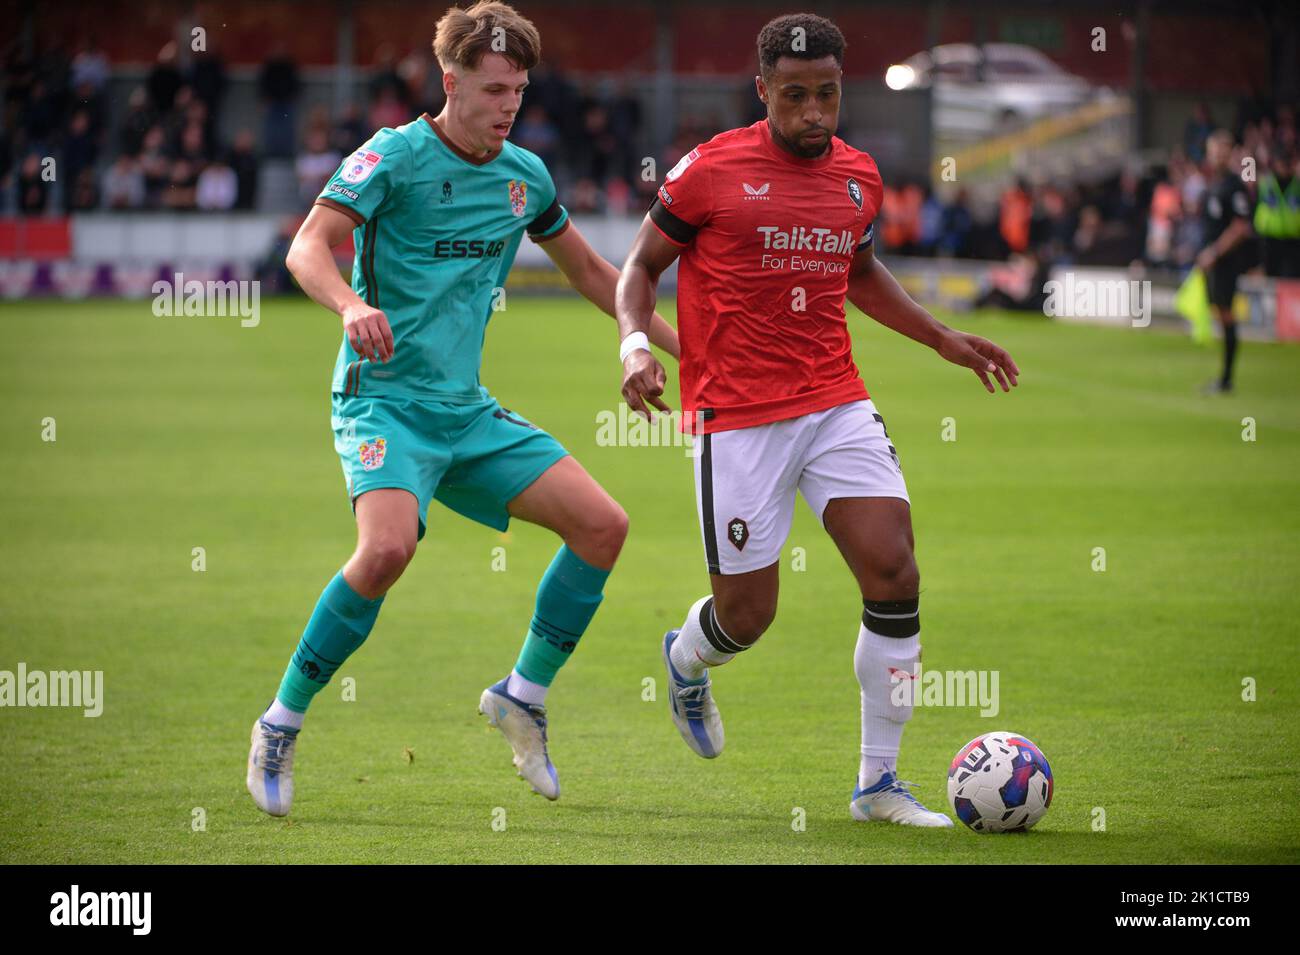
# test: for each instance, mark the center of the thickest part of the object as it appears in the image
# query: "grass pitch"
(178, 433)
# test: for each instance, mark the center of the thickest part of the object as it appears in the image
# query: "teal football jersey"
(437, 231)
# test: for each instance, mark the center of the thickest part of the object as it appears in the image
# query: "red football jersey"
(763, 233)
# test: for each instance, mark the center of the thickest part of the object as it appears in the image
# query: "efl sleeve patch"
(687, 189)
(682, 165)
(360, 165)
(367, 178)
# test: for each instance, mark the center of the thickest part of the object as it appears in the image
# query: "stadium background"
(236, 112)
(182, 434)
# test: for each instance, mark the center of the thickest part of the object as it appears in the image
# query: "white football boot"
(694, 712)
(524, 727)
(890, 801)
(270, 767)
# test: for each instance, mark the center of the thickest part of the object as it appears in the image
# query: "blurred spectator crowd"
(1149, 216)
(59, 151)
(63, 149)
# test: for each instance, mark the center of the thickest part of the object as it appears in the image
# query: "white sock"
(871, 768)
(882, 720)
(692, 653)
(277, 714)
(525, 690)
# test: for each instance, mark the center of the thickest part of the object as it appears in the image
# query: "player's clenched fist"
(643, 382)
(367, 329)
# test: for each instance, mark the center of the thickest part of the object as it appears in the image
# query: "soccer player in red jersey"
(773, 227)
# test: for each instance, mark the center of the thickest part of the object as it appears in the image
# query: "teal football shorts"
(474, 458)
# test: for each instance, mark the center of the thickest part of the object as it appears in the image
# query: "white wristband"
(632, 343)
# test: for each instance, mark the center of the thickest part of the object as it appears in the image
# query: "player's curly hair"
(463, 37)
(780, 37)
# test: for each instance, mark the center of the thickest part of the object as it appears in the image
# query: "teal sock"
(567, 599)
(339, 624)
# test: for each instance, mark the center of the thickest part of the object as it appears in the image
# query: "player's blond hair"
(463, 37)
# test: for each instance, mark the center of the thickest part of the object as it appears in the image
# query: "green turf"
(175, 433)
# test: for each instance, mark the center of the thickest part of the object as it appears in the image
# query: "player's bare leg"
(568, 501)
(874, 534)
(744, 605)
(387, 529)
(388, 526)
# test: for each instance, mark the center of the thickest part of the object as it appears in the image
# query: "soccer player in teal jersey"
(437, 209)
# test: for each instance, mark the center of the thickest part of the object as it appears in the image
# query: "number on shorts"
(898, 464)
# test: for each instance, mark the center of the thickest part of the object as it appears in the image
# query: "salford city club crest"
(518, 196)
(855, 193)
(372, 453)
(737, 532)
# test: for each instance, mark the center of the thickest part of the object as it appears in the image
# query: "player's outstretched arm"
(595, 279)
(874, 290)
(634, 302)
(311, 262)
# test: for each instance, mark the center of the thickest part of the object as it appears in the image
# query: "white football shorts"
(745, 480)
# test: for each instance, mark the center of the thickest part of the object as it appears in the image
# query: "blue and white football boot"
(524, 727)
(890, 801)
(270, 767)
(694, 712)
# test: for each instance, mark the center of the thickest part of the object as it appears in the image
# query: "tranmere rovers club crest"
(372, 453)
(518, 196)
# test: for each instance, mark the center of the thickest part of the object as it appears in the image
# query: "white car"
(1013, 85)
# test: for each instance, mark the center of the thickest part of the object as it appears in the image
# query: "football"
(1000, 782)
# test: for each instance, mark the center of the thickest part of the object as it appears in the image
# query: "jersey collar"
(456, 150)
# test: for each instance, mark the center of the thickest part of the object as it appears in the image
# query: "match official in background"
(1225, 216)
